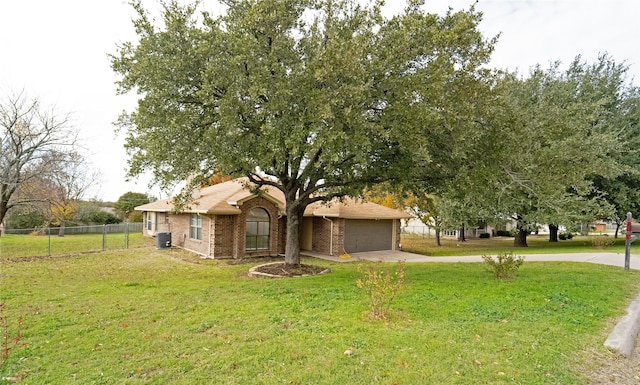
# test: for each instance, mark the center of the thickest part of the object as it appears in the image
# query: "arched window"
(258, 229)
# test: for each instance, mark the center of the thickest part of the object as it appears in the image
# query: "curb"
(624, 334)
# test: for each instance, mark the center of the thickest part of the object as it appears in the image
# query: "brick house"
(228, 220)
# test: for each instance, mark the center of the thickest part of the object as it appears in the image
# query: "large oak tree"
(554, 134)
(317, 98)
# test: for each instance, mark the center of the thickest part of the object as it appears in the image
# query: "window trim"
(195, 227)
(260, 237)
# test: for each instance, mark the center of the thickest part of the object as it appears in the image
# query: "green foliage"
(602, 241)
(102, 217)
(382, 284)
(485, 236)
(128, 202)
(565, 236)
(505, 233)
(19, 219)
(552, 133)
(316, 98)
(505, 266)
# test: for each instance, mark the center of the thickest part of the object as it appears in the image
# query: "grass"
(167, 317)
(538, 244)
(12, 245)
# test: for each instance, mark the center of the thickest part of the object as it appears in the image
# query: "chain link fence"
(68, 240)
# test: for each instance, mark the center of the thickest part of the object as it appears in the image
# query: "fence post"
(627, 248)
(49, 240)
(104, 237)
(126, 235)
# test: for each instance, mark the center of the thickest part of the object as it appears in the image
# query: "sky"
(57, 51)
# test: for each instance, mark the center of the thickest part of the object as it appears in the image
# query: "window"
(196, 227)
(258, 229)
(149, 221)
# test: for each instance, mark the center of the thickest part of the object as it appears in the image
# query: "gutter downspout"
(331, 237)
(394, 235)
(209, 240)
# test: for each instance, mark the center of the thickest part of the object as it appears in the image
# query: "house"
(229, 220)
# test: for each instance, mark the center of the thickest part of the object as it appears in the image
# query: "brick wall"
(326, 242)
(180, 225)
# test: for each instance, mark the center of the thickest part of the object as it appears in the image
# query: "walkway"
(603, 258)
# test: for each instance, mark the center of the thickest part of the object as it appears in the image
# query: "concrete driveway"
(603, 258)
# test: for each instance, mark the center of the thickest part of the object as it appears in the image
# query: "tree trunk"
(553, 233)
(520, 239)
(584, 228)
(617, 229)
(61, 229)
(3, 212)
(292, 247)
(461, 237)
(438, 237)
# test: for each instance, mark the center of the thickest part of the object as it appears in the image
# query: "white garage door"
(368, 235)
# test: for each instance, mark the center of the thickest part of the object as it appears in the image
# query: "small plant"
(504, 233)
(382, 285)
(9, 339)
(602, 241)
(485, 236)
(505, 265)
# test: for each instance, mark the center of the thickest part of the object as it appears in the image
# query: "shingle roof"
(224, 199)
(350, 208)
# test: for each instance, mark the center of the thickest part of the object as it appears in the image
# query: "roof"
(222, 198)
(350, 208)
(225, 199)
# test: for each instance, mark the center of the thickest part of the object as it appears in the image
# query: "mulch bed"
(281, 269)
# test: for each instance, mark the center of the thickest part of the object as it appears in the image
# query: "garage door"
(367, 235)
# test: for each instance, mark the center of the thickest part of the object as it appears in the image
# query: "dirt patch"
(281, 269)
(610, 367)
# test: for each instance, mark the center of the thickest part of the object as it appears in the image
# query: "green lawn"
(43, 245)
(167, 317)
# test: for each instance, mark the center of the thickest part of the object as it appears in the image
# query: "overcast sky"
(56, 50)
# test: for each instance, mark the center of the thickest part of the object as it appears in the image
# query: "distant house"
(228, 220)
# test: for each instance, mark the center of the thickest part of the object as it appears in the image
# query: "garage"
(368, 235)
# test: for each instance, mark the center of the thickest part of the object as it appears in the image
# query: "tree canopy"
(553, 133)
(128, 201)
(316, 98)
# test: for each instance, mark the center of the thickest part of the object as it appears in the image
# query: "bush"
(565, 236)
(381, 284)
(602, 241)
(505, 266)
(485, 235)
(504, 233)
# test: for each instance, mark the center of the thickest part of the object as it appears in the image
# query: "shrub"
(602, 241)
(504, 233)
(505, 265)
(382, 285)
(565, 236)
(485, 235)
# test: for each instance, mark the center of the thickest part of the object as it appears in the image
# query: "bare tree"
(33, 140)
(70, 181)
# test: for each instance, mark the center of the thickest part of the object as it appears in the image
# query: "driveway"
(603, 258)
